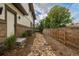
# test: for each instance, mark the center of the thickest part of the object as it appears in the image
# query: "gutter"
(20, 8)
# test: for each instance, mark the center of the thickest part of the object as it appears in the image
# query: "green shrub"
(24, 34)
(10, 42)
(27, 33)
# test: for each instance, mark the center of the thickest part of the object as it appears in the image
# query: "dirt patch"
(23, 51)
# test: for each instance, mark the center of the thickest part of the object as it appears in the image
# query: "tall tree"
(59, 16)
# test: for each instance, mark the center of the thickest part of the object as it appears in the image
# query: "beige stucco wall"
(26, 7)
(2, 16)
(24, 19)
(10, 23)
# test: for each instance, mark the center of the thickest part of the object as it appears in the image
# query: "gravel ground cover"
(39, 45)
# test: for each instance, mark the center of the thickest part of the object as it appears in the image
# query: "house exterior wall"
(2, 31)
(10, 23)
(26, 7)
(2, 16)
(23, 21)
(2, 24)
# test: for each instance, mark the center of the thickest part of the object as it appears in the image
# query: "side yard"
(42, 45)
(35, 46)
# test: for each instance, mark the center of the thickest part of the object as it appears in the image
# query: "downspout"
(33, 25)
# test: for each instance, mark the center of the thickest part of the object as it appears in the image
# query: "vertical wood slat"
(65, 35)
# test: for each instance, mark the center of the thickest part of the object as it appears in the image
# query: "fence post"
(65, 35)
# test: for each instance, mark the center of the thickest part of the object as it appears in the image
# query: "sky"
(41, 10)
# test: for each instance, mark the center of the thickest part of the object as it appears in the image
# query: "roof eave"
(32, 10)
(20, 7)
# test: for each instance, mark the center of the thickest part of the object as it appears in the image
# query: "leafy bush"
(24, 34)
(10, 42)
(27, 33)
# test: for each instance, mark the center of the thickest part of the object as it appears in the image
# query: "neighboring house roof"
(75, 25)
(20, 7)
(31, 7)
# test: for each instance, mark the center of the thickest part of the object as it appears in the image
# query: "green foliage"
(47, 22)
(57, 17)
(41, 26)
(27, 33)
(24, 34)
(10, 42)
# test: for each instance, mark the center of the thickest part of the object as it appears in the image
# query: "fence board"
(65, 35)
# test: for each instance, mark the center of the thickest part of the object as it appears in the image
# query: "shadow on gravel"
(29, 44)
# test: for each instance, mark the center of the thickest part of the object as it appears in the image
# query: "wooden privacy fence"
(68, 35)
